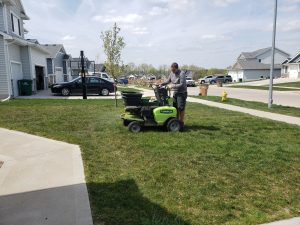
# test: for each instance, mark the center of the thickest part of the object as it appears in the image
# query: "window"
(259, 60)
(16, 25)
(94, 80)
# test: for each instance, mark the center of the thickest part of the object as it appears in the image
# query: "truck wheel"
(134, 127)
(65, 92)
(174, 125)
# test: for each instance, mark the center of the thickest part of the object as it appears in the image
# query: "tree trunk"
(115, 87)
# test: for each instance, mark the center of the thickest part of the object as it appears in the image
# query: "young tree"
(113, 45)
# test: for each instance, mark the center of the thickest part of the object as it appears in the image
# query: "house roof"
(295, 59)
(53, 49)
(252, 65)
(255, 54)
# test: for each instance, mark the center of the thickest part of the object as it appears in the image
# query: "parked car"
(95, 85)
(190, 82)
(104, 76)
(205, 79)
(223, 79)
(228, 79)
(122, 80)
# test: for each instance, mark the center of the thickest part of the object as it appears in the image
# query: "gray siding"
(25, 58)
(14, 53)
(16, 9)
(256, 74)
(3, 70)
(58, 61)
(65, 71)
(49, 66)
(1, 18)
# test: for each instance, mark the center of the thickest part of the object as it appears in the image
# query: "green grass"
(128, 89)
(227, 168)
(263, 88)
(286, 110)
(290, 84)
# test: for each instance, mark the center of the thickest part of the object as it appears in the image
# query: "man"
(177, 81)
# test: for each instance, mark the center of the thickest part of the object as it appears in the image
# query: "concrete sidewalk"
(253, 112)
(41, 182)
(294, 221)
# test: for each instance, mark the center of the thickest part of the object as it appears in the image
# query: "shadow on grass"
(123, 203)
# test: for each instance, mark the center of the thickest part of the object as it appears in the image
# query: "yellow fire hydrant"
(224, 96)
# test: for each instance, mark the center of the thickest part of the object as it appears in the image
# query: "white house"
(19, 58)
(291, 67)
(256, 65)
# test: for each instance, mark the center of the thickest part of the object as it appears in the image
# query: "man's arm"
(167, 81)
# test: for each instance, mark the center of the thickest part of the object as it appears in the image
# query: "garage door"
(17, 74)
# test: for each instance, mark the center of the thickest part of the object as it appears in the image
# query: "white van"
(105, 76)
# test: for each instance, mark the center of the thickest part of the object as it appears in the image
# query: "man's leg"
(181, 116)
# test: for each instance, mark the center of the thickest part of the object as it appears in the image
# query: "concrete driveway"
(41, 182)
(285, 98)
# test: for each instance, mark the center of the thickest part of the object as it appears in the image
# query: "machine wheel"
(173, 125)
(65, 92)
(105, 92)
(134, 127)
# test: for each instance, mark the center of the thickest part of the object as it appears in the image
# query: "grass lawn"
(286, 110)
(263, 88)
(227, 168)
(290, 84)
(125, 88)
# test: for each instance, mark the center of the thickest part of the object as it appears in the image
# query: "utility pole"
(84, 94)
(273, 56)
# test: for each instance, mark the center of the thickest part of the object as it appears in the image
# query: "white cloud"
(157, 11)
(129, 18)
(224, 3)
(140, 30)
(68, 38)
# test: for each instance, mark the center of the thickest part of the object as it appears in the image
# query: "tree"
(113, 45)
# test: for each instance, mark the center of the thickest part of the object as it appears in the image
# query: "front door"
(40, 78)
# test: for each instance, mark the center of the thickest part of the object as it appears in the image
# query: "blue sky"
(205, 33)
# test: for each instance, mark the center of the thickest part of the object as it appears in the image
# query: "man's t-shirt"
(178, 79)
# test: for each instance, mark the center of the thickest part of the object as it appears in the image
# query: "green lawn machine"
(141, 112)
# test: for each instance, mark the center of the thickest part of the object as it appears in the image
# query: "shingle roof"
(255, 54)
(295, 59)
(53, 49)
(252, 65)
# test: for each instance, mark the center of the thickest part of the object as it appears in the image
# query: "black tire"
(174, 125)
(65, 92)
(213, 82)
(203, 82)
(104, 92)
(134, 127)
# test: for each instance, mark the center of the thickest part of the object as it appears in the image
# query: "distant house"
(291, 67)
(256, 65)
(90, 67)
(19, 58)
(58, 63)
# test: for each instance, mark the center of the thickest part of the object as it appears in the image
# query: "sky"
(200, 32)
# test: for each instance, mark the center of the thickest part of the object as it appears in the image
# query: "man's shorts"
(179, 101)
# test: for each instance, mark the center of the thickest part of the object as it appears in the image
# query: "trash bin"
(25, 87)
(219, 83)
(204, 89)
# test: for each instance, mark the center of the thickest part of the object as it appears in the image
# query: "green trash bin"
(25, 87)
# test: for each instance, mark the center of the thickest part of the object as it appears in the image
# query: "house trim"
(5, 18)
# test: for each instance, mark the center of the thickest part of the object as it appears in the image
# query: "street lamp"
(273, 57)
